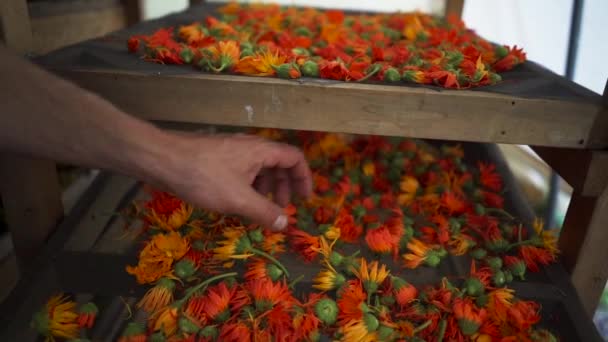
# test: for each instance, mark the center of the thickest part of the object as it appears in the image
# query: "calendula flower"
(334, 70)
(260, 64)
(157, 257)
(524, 314)
(224, 55)
(409, 187)
(491, 200)
(488, 177)
(351, 302)
(460, 244)
(403, 291)
(235, 245)
(167, 212)
(305, 244)
(219, 299)
(371, 276)
(158, 297)
(260, 269)
(415, 76)
(349, 230)
(87, 314)
(134, 332)
(535, 256)
(267, 294)
(306, 325)
(469, 316)
(419, 253)
(381, 240)
(453, 203)
(363, 330)
(164, 320)
(190, 33)
(548, 238)
(328, 279)
(499, 302)
(58, 318)
(273, 243)
(332, 233)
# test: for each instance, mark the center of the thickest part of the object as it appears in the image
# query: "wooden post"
(29, 188)
(454, 7)
(196, 2)
(133, 11)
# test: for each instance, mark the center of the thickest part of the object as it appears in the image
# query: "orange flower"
(409, 187)
(499, 302)
(164, 320)
(420, 252)
(548, 238)
(524, 314)
(260, 269)
(233, 245)
(307, 245)
(218, 301)
(469, 317)
(191, 33)
(235, 332)
(157, 297)
(268, 294)
(349, 230)
(404, 292)
(460, 244)
(533, 256)
(157, 257)
(380, 240)
(454, 204)
(273, 243)
(260, 64)
(224, 55)
(351, 302)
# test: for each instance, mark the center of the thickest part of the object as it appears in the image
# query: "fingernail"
(280, 223)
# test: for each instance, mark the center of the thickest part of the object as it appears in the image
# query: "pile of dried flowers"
(269, 40)
(401, 203)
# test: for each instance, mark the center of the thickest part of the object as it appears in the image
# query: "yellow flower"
(409, 187)
(369, 169)
(164, 320)
(358, 330)
(548, 237)
(157, 257)
(157, 297)
(371, 276)
(231, 247)
(328, 280)
(332, 233)
(57, 319)
(499, 302)
(260, 64)
(332, 144)
(191, 33)
(460, 244)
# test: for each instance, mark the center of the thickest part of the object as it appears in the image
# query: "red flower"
(334, 70)
(133, 44)
(349, 302)
(323, 215)
(307, 245)
(235, 332)
(444, 78)
(533, 256)
(492, 200)
(454, 204)
(349, 231)
(469, 316)
(380, 240)
(524, 314)
(489, 178)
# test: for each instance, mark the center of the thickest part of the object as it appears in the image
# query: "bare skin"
(45, 116)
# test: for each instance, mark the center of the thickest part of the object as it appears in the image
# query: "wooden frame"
(375, 109)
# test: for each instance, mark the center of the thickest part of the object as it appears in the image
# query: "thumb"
(261, 210)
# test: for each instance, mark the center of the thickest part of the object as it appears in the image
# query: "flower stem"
(374, 70)
(196, 288)
(422, 326)
(295, 281)
(501, 212)
(442, 327)
(519, 243)
(271, 258)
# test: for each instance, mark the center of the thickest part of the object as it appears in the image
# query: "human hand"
(223, 172)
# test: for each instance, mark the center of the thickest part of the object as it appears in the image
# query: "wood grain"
(346, 107)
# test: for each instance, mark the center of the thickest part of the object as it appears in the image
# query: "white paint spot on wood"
(250, 113)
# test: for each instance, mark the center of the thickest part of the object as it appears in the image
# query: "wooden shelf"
(531, 106)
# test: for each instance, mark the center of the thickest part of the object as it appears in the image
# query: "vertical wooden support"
(454, 7)
(196, 2)
(584, 237)
(133, 11)
(30, 188)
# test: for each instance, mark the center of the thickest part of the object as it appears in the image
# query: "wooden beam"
(32, 203)
(29, 187)
(454, 7)
(344, 107)
(590, 270)
(196, 2)
(15, 21)
(134, 11)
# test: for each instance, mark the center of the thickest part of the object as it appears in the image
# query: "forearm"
(43, 115)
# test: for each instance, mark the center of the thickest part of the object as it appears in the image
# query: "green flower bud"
(187, 326)
(385, 333)
(310, 69)
(256, 235)
(209, 331)
(482, 301)
(158, 337)
(495, 263)
(499, 278)
(508, 276)
(473, 286)
(432, 259)
(186, 55)
(392, 75)
(478, 253)
(274, 272)
(327, 311)
(371, 322)
(184, 268)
